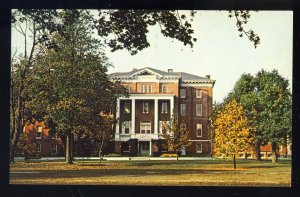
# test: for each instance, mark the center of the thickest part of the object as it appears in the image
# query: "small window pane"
(127, 108)
(164, 107)
(199, 109)
(182, 109)
(199, 130)
(198, 94)
(145, 107)
(182, 93)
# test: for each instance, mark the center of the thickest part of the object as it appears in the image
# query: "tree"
(267, 102)
(232, 131)
(70, 84)
(176, 135)
(127, 29)
(27, 26)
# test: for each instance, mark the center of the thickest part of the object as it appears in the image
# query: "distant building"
(155, 95)
(43, 142)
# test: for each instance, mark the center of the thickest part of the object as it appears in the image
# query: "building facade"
(40, 142)
(154, 97)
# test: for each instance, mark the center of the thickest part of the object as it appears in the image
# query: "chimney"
(170, 70)
(134, 69)
(207, 76)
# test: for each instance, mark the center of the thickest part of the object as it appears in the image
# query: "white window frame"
(164, 107)
(199, 126)
(198, 113)
(125, 125)
(145, 107)
(145, 127)
(197, 145)
(39, 131)
(38, 148)
(164, 89)
(198, 93)
(125, 107)
(146, 88)
(182, 93)
(183, 109)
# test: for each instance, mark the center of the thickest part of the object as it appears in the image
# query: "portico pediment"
(146, 72)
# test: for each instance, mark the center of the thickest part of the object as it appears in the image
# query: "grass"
(155, 173)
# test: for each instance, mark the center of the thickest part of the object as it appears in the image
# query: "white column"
(117, 117)
(171, 106)
(133, 116)
(155, 116)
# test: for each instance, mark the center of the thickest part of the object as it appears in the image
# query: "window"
(199, 130)
(161, 126)
(38, 148)
(182, 93)
(127, 88)
(164, 107)
(126, 127)
(199, 148)
(39, 132)
(182, 109)
(145, 107)
(199, 109)
(145, 127)
(54, 149)
(164, 89)
(127, 108)
(198, 93)
(146, 88)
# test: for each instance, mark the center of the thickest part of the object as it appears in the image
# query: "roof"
(183, 76)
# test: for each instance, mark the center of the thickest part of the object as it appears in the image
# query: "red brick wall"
(46, 140)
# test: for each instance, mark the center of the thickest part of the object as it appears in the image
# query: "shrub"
(169, 155)
(113, 155)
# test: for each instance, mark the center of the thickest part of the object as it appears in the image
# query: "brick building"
(154, 96)
(42, 142)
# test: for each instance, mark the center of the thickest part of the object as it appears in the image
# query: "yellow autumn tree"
(232, 131)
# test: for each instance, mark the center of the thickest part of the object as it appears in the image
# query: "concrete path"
(123, 158)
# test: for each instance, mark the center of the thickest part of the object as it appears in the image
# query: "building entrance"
(144, 148)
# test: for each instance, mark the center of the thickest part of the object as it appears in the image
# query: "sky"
(219, 51)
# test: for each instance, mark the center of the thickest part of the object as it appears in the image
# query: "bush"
(169, 155)
(113, 155)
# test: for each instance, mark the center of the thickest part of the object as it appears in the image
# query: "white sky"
(219, 51)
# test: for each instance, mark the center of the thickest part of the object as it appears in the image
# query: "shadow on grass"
(89, 173)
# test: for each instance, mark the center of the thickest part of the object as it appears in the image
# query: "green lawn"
(155, 173)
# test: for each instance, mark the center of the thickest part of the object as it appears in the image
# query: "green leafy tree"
(70, 84)
(127, 29)
(267, 101)
(232, 131)
(176, 135)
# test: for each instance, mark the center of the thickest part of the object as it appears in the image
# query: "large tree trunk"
(18, 123)
(274, 152)
(234, 162)
(69, 155)
(257, 151)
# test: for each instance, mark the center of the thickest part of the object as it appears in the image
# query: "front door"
(144, 148)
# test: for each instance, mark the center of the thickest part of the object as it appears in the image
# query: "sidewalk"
(124, 158)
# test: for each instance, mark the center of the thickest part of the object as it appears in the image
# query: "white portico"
(137, 127)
